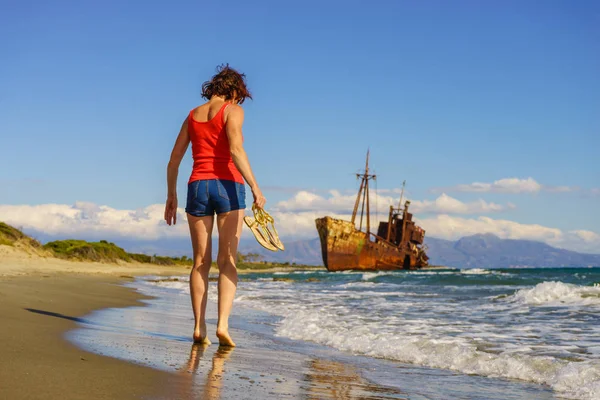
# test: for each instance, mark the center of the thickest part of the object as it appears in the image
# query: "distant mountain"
(300, 252)
(489, 251)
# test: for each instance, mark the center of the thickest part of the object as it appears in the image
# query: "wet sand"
(37, 363)
(43, 299)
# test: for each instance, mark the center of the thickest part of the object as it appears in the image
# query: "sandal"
(260, 233)
(265, 235)
(265, 219)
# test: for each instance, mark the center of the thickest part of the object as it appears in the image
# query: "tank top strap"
(222, 112)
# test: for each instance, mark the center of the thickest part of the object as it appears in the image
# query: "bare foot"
(224, 338)
(200, 336)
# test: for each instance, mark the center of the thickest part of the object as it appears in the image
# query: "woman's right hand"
(259, 199)
(171, 210)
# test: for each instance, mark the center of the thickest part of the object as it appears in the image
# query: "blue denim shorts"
(207, 197)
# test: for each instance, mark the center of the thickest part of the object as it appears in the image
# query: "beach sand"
(37, 363)
(42, 298)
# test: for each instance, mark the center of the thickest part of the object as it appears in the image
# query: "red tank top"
(210, 149)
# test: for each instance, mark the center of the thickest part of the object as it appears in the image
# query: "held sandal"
(265, 219)
(263, 228)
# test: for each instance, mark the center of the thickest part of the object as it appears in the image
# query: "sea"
(527, 332)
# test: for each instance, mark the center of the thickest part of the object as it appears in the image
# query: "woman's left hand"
(171, 210)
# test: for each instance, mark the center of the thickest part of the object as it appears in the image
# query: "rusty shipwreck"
(398, 243)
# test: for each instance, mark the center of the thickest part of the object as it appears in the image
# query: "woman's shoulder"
(200, 107)
(233, 110)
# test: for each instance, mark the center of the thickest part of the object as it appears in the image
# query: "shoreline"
(43, 301)
(265, 365)
(63, 301)
(261, 366)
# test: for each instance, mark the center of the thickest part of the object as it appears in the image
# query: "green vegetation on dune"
(83, 250)
(104, 251)
(161, 260)
(10, 235)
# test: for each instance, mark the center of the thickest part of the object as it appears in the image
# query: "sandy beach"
(36, 310)
(43, 298)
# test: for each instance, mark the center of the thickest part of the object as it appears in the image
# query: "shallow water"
(534, 325)
(428, 334)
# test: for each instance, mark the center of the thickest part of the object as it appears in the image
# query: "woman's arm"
(233, 125)
(179, 149)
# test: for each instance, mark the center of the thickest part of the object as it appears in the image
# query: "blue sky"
(443, 93)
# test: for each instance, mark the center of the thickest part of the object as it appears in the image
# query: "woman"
(216, 186)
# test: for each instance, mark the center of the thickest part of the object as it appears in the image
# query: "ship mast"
(364, 192)
(401, 195)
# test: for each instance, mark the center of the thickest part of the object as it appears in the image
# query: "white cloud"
(93, 220)
(344, 204)
(445, 204)
(509, 185)
(308, 201)
(506, 185)
(587, 236)
(449, 227)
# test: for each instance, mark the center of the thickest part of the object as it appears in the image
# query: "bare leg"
(230, 229)
(201, 231)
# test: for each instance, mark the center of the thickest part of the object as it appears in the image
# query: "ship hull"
(345, 248)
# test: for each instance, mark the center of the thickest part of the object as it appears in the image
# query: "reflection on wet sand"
(334, 380)
(214, 380)
(323, 379)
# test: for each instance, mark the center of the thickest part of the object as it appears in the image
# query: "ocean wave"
(367, 276)
(475, 271)
(361, 284)
(576, 380)
(301, 272)
(431, 272)
(558, 293)
(176, 283)
(372, 319)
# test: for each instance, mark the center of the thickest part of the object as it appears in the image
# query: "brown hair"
(228, 83)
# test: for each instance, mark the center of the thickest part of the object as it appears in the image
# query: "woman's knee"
(203, 265)
(225, 263)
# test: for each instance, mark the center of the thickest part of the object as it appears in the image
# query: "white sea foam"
(367, 276)
(301, 272)
(357, 285)
(431, 272)
(179, 285)
(558, 293)
(577, 380)
(475, 271)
